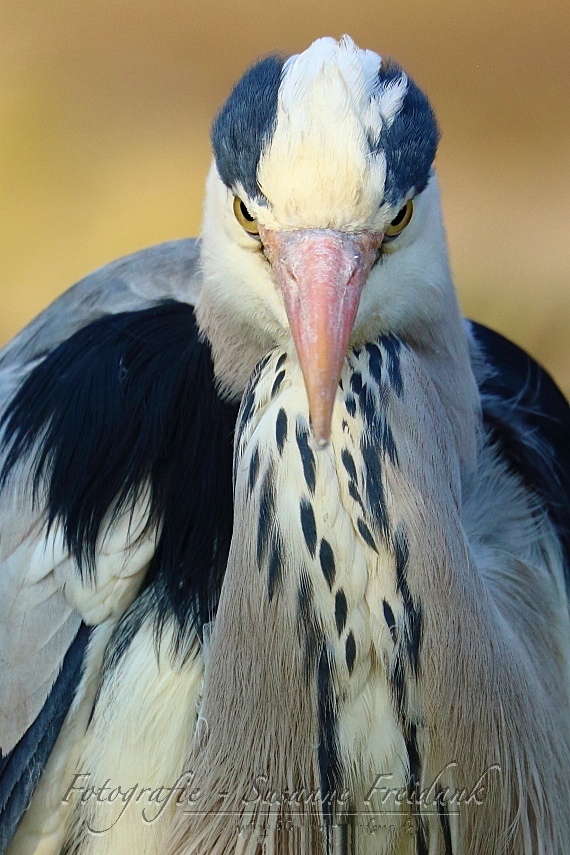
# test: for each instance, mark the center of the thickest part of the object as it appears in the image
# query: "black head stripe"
(409, 143)
(245, 124)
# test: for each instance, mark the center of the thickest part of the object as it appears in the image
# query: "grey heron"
(336, 620)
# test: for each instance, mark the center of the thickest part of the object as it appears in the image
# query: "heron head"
(322, 223)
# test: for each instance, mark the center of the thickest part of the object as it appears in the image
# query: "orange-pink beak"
(321, 274)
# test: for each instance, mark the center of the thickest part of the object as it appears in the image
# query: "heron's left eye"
(400, 221)
(244, 218)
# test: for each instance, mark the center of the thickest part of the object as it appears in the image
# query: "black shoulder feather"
(127, 402)
(528, 417)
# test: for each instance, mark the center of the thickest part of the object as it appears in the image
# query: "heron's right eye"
(244, 218)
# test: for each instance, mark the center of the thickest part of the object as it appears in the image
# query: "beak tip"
(321, 429)
(322, 442)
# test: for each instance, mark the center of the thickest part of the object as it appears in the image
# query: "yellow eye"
(244, 218)
(400, 221)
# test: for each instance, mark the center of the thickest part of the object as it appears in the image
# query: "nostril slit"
(293, 275)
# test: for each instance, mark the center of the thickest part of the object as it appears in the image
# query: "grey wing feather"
(40, 596)
(168, 270)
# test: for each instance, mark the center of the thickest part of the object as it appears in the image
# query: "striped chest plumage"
(327, 543)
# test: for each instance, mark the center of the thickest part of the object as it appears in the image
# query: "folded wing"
(105, 404)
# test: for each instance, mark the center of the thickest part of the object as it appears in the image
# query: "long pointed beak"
(321, 274)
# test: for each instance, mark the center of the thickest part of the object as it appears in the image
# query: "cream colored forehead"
(318, 169)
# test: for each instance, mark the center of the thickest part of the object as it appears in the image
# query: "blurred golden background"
(104, 136)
